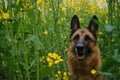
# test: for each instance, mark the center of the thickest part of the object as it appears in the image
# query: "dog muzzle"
(80, 51)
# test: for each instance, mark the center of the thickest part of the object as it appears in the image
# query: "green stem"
(37, 54)
(25, 54)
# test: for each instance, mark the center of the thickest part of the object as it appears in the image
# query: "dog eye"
(76, 37)
(87, 38)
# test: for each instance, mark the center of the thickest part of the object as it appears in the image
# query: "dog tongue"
(81, 57)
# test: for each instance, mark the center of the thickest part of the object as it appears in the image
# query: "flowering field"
(34, 37)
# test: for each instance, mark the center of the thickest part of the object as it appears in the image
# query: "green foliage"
(109, 28)
(31, 29)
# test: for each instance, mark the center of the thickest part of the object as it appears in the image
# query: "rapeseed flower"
(62, 19)
(49, 54)
(42, 59)
(100, 33)
(93, 71)
(38, 2)
(59, 72)
(64, 9)
(54, 55)
(50, 61)
(106, 21)
(45, 32)
(3, 62)
(61, 76)
(66, 49)
(65, 76)
(30, 7)
(0, 17)
(63, 37)
(113, 40)
(58, 75)
(50, 9)
(81, 19)
(53, 58)
(5, 16)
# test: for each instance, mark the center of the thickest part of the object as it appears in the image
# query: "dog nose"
(80, 47)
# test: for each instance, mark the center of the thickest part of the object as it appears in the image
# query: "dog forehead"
(82, 33)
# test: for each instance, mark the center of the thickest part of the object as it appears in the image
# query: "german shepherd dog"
(83, 52)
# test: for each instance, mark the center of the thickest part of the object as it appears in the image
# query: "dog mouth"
(79, 51)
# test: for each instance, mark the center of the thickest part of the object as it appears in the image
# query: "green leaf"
(44, 70)
(106, 73)
(35, 39)
(110, 61)
(37, 44)
(19, 6)
(32, 63)
(31, 38)
(109, 28)
(15, 26)
(31, 15)
(8, 37)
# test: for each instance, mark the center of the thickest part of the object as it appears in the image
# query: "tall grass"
(36, 34)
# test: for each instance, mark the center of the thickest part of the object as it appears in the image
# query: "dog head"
(83, 40)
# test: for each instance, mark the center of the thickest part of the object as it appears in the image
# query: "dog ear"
(74, 25)
(93, 26)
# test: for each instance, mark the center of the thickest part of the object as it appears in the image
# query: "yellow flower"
(100, 33)
(69, 73)
(62, 19)
(56, 62)
(51, 9)
(50, 64)
(3, 62)
(59, 57)
(63, 37)
(49, 54)
(65, 78)
(49, 59)
(42, 58)
(81, 19)
(93, 71)
(53, 58)
(59, 72)
(30, 7)
(113, 40)
(5, 16)
(106, 21)
(54, 55)
(0, 17)
(45, 32)
(60, 60)
(38, 2)
(56, 75)
(65, 74)
(102, 2)
(64, 9)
